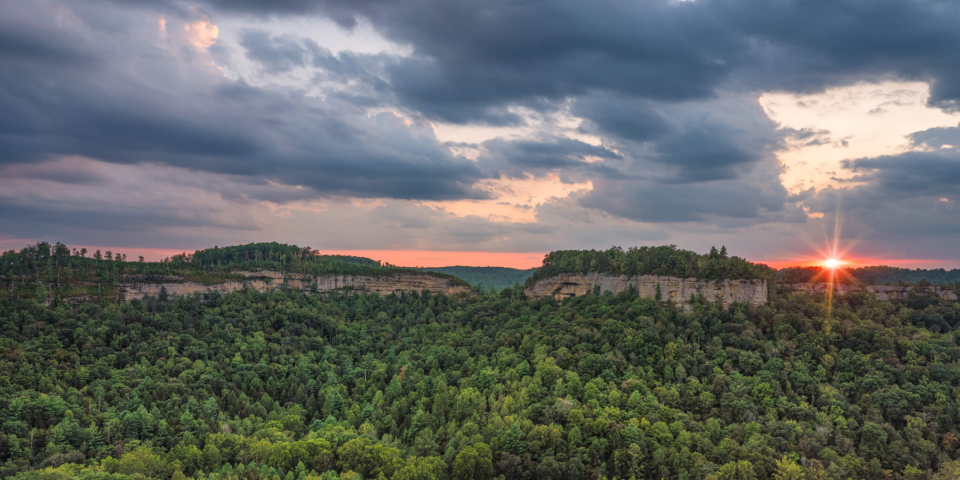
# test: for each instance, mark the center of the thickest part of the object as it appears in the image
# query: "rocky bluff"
(672, 289)
(135, 288)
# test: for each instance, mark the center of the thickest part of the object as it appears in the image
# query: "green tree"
(473, 463)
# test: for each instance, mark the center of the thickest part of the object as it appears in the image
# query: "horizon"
(480, 239)
(515, 260)
(488, 134)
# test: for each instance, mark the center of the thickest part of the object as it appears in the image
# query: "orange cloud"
(202, 33)
(162, 22)
(514, 199)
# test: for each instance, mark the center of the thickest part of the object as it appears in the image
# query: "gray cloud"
(146, 104)
(668, 87)
(691, 142)
(475, 56)
(807, 137)
(910, 173)
(276, 53)
(706, 152)
(756, 198)
(547, 154)
(906, 204)
(625, 117)
(938, 137)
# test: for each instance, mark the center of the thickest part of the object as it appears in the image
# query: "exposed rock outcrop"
(883, 292)
(265, 280)
(675, 289)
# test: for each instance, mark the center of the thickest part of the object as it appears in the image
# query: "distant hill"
(44, 271)
(658, 260)
(490, 277)
(873, 275)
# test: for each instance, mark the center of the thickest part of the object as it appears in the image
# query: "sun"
(833, 263)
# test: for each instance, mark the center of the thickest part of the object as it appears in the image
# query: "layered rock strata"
(266, 280)
(672, 289)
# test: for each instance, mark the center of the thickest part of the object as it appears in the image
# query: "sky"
(484, 132)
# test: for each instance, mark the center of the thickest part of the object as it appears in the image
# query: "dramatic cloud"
(497, 124)
(478, 55)
(901, 203)
(546, 154)
(940, 137)
(933, 173)
(276, 53)
(184, 114)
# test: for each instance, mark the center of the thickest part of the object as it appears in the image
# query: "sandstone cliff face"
(678, 290)
(883, 292)
(266, 280)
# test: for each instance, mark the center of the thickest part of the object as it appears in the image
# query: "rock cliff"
(265, 280)
(678, 290)
(883, 292)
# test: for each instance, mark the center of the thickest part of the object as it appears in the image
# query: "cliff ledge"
(672, 289)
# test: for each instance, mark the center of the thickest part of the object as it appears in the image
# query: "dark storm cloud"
(754, 198)
(40, 221)
(902, 203)
(25, 44)
(707, 152)
(911, 173)
(351, 67)
(721, 140)
(715, 164)
(808, 45)
(544, 155)
(473, 56)
(277, 54)
(625, 117)
(642, 74)
(149, 105)
(938, 137)
(280, 53)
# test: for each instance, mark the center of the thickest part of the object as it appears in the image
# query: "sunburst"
(833, 262)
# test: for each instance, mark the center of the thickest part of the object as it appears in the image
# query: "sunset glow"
(344, 129)
(833, 263)
(427, 258)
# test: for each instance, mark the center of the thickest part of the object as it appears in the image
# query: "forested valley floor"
(284, 385)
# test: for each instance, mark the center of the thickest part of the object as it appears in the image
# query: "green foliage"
(473, 463)
(496, 278)
(873, 275)
(663, 260)
(285, 385)
(45, 272)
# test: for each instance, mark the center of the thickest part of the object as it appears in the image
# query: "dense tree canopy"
(48, 272)
(289, 385)
(496, 278)
(294, 386)
(663, 260)
(871, 275)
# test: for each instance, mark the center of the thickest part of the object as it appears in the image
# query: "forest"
(717, 264)
(496, 278)
(872, 275)
(286, 385)
(661, 260)
(54, 272)
(293, 386)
